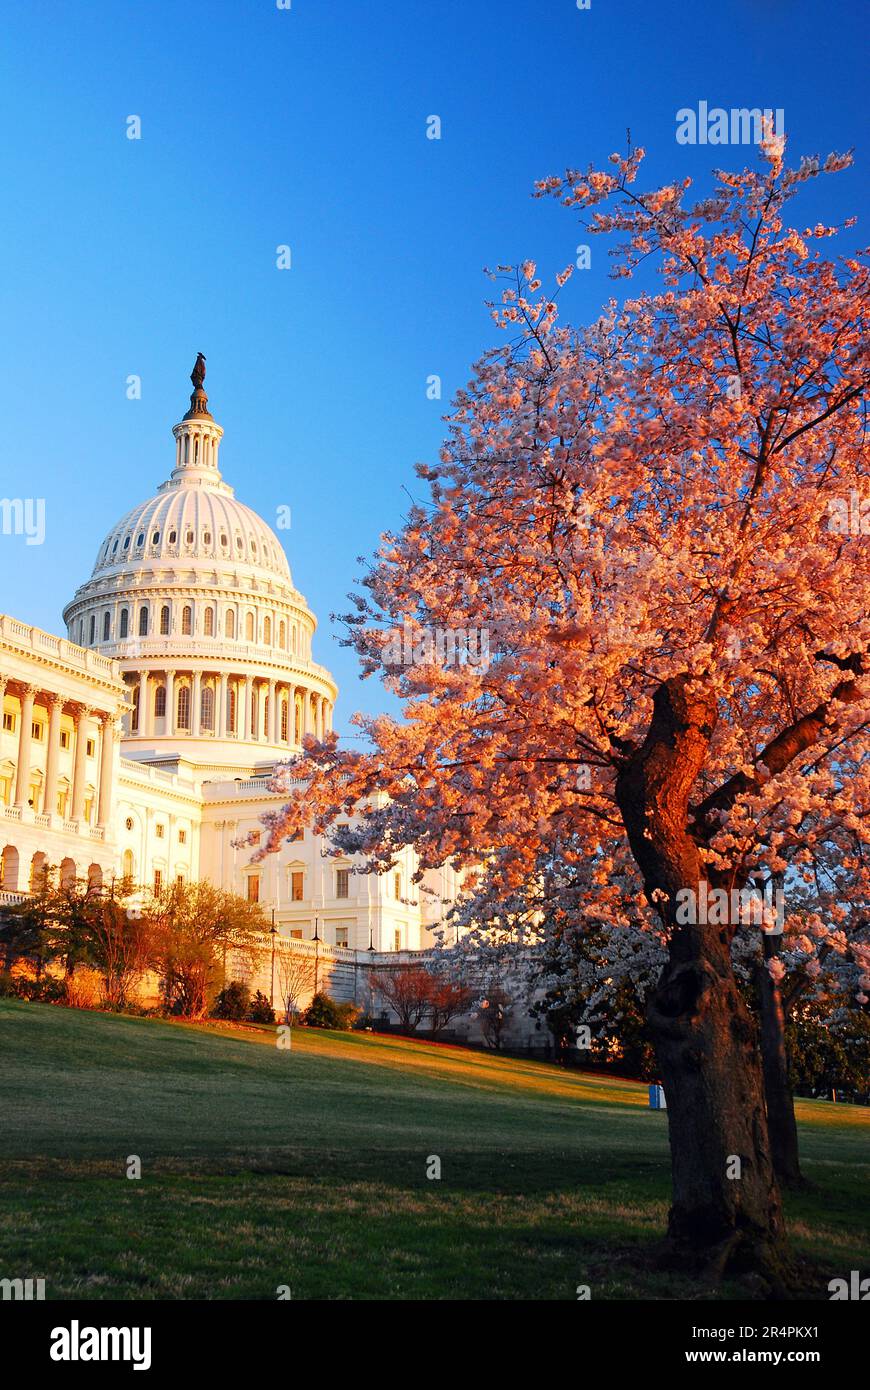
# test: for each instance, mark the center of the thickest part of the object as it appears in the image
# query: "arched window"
(93, 635)
(164, 620)
(183, 707)
(249, 627)
(284, 712)
(160, 701)
(208, 622)
(293, 640)
(206, 707)
(143, 621)
(128, 864)
(107, 620)
(186, 620)
(267, 632)
(125, 622)
(298, 723)
(230, 623)
(231, 712)
(134, 717)
(282, 635)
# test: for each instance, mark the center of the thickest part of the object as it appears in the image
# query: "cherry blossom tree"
(660, 525)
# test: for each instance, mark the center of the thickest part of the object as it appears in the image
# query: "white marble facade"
(141, 742)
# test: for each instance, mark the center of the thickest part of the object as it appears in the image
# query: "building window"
(230, 623)
(155, 539)
(249, 627)
(125, 622)
(231, 712)
(160, 831)
(284, 721)
(93, 635)
(397, 939)
(160, 701)
(297, 886)
(184, 707)
(164, 620)
(342, 883)
(206, 712)
(143, 621)
(173, 537)
(134, 716)
(158, 880)
(91, 748)
(397, 886)
(186, 620)
(64, 738)
(9, 722)
(182, 837)
(36, 732)
(253, 888)
(282, 635)
(208, 622)
(179, 879)
(341, 936)
(127, 864)
(107, 620)
(62, 798)
(296, 933)
(267, 631)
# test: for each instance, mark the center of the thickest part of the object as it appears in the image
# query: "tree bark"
(777, 1086)
(726, 1211)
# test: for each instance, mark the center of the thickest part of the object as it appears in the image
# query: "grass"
(307, 1168)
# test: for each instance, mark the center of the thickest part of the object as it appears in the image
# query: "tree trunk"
(777, 1087)
(726, 1210)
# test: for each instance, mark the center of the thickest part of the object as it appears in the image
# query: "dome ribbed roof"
(188, 522)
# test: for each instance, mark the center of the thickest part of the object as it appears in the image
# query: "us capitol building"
(141, 743)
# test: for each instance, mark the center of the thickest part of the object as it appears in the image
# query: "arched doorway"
(9, 862)
(67, 875)
(95, 878)
(38, 871)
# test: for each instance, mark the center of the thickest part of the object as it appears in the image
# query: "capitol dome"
(192, 593)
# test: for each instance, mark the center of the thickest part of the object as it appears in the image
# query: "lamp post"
(273, 932)
(316, 955)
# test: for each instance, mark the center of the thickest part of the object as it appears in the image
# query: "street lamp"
(273, 932)
(316, 954)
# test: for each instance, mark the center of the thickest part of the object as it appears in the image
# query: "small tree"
(295, 974)
(447, 1000)
(408, 990)
(195, 925)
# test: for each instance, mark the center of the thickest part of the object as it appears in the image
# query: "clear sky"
(307, 127)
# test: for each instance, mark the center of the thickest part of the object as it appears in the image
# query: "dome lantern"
(197, 437)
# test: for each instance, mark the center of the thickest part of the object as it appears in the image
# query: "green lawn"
(307, 1168)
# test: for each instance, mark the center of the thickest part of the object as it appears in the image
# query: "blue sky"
(307, 127)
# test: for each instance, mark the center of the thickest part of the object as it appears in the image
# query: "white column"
(220, 706)
(83, 713)
(52, 755)
(196, 703)
(170, 702)
(245, 711)
(25, 737)
(107, 770)
(142, 728)
(273, 724)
